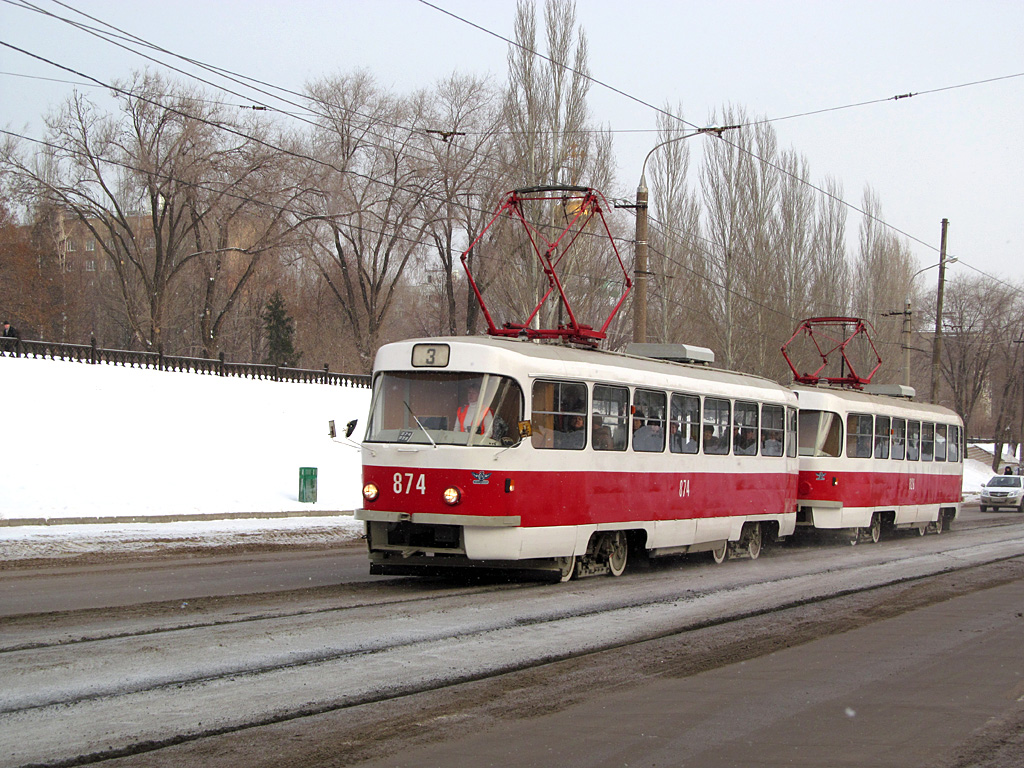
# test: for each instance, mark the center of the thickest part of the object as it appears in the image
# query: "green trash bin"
(307, 484)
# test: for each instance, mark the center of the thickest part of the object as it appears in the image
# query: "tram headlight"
(370, 492)
(452, 496)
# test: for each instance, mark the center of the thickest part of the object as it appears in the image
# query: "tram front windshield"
(820, 433)
(433, 408)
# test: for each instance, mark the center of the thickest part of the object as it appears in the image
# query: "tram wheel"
(721, 554)
(922, 530)
(939, 524)
(752, 540)
(618, 552)
(566, 568)
(875, 529)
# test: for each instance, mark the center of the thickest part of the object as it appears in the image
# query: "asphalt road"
(186, 574)
(124, 581)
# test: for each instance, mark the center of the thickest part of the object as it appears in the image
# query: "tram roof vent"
(676, 353)
(890, 390)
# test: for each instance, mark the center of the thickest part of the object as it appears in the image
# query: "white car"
(1003, 491)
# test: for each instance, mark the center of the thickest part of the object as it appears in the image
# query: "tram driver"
(469, 416)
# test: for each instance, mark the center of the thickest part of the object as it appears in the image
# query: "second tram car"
(875, 462)
(513, 454)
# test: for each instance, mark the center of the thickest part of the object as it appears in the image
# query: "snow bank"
(85, 440)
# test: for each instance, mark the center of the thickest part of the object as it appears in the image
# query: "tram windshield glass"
(434, 408)
(820, 433)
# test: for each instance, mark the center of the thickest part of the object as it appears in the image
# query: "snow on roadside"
(62, 541)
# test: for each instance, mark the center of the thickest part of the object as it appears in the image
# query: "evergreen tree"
(280, 334)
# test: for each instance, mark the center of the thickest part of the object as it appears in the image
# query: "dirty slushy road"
(908, 652)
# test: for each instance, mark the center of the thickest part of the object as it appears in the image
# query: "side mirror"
(351, 427)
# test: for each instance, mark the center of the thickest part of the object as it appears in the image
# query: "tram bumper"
(431, 535)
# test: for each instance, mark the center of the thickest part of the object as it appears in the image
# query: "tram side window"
(882, 428)
(559, 415)
(899, 439)
(744, 439)
(649, 421)
(940, 442)
(684, 426)
(913, 440)
(717, 423)
(927, 441)
(820, 433)
(954, 443)
(608, 420)
(859, 435)
(773, 429)
(791, 433)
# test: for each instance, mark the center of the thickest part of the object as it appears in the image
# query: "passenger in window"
(710, 441)
(638, 420)
(679, 444)
(648, 436)
(601, 434)
(575, 437)
(743, 442)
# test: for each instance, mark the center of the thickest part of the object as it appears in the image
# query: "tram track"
(177, 615)
(135, 692)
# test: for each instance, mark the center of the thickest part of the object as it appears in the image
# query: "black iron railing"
(90, 353)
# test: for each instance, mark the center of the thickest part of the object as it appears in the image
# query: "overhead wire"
(241, 78)
(659, 110)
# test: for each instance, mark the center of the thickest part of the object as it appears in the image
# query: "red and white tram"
(511, 452)
(872, 462)
(514, 454)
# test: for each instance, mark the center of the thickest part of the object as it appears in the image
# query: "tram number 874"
(403, 483)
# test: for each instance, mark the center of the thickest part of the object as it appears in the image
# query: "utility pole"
(641, 274)
(937, 338)
(906, 342)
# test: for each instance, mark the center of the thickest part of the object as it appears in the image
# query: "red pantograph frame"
(838, 342)
(591, 203)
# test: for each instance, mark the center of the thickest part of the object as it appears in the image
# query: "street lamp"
(941, 264)
(640, 297)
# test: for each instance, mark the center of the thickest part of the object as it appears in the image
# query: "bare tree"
(739, 186)
(161, 187)
(794, 243)
(1007, 382)
(372, 201)
(680, 279)
(551, 144)
(978, 316)
(882, 273)
(466, 121)
(830, 271)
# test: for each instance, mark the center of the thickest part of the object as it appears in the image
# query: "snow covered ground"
(98, 441)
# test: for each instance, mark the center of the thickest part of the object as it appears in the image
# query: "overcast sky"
(948, 152)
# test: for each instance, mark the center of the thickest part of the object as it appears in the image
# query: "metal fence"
(90, 353)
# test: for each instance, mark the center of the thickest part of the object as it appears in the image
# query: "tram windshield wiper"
(418, 423)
